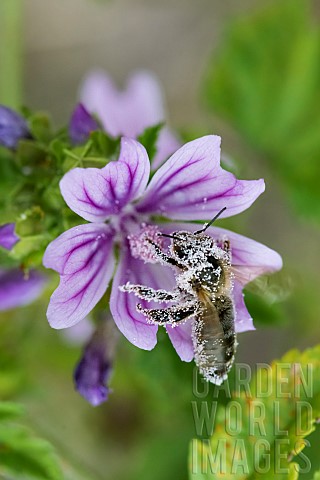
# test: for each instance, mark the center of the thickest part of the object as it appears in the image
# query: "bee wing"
(242, 274)
(276, 288)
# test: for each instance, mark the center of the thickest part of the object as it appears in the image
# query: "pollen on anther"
(141, 248)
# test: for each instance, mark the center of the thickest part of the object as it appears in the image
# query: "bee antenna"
(206, 225)
(168, 236)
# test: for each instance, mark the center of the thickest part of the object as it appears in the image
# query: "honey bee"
(203, 291)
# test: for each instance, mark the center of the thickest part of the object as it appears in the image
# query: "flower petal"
(250, 259)
(95, 193)
(83, 256)
(181, 339)
(131, 323)
(191, 185)
(16, 290)
(167, 144)
(79, 333)
(244, 320)
(8, 238)
(128, 112)
(81, 125)
(13, 127)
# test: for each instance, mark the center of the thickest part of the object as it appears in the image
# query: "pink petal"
(181, 339)
(79, 333)
(131, 111)
(95, 193)
(244, 320)
(167, 144)
(191, 185)
(17, 290)
(8, 238)
(250, 259)
(83, 257)
(131, 323)
(127, 112)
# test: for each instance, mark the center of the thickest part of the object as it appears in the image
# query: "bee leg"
(171, 315)
(226, 245)
(149, 294)
(163, 257)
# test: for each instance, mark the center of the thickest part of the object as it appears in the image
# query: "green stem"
(11, 52)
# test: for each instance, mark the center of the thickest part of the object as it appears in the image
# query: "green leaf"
(104, 145)
(317, 475)
(262, 429)
(149, 139)
(39, 124)
(30, 246)
(10, 410)
(265, 80)
(21, 452)
(30, 154)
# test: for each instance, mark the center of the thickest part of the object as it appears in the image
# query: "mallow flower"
(13, 127)
(8, 237)
(129, 112)
(17, 288)
(120, 201)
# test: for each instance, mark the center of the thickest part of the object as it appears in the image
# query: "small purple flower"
(13, 127)
(8, 238)
(129, 112)
(18, 289)
(119, 203)
(93, 371)
(81, 125)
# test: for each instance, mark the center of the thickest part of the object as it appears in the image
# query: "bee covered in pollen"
(203, 292)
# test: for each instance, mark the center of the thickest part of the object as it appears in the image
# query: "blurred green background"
(248, 71)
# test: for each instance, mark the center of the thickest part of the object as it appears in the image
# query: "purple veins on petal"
(18, 289)
(13, 127)
(84, 258)
(95, 193)
(250, 259)
(191, 185)
(132, 324)
(93, 370)
(8, 238)
(81, 125)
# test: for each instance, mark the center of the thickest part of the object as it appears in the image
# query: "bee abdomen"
(215, 340)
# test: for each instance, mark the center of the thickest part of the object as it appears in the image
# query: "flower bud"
(13, 127)
(93, 370)
(8, 238)
(81, 124)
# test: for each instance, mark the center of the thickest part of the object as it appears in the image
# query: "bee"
(203, 291)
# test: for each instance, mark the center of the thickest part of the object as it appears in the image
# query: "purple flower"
(18, 289)
(118, 202)
(93, 371)
(8, 238)
(81, 124)
(13, 127)
(129, 112)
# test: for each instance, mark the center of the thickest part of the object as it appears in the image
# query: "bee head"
(191, 249)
